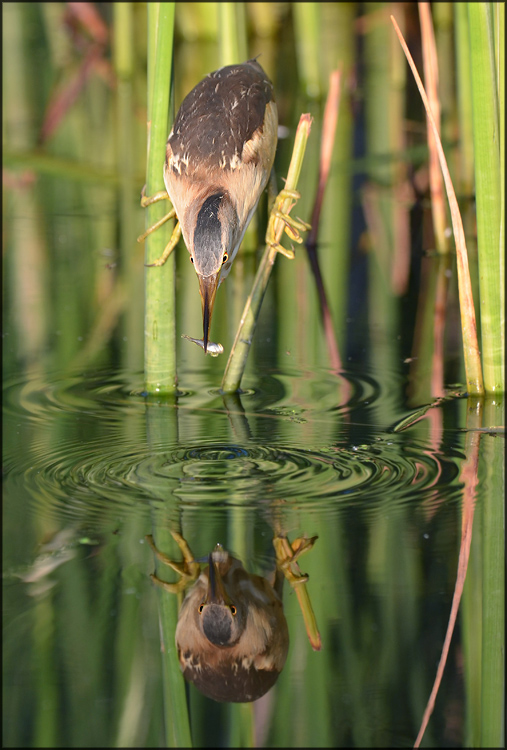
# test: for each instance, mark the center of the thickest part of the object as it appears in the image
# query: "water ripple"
(104, 478)
(96, 448)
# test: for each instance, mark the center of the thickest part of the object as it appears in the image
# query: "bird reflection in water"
(232, 636)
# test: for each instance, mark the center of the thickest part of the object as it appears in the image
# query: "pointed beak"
(208, 286)
(216, 589)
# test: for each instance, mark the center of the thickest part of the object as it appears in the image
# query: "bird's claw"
(291, 226)
(290, 254)
(287, 555)
(161, 195)
(188, 569)
(176, 234)
(175, 238)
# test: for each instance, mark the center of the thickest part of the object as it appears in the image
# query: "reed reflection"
(232, 636)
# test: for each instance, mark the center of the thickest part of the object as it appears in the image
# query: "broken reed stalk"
(285, 551)
(237, 359)
(471, 353)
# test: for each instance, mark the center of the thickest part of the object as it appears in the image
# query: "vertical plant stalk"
(437, 360)
(285, 551)
(241, 346)
(488, 191)
(469, 477)
(500, 79)
(308, 40)
(492, 682)
(468, 325)
(162, 430)
(176, 718)
(131, 281)
(430, 62)
(232, 35)
(160, 302)
(326, 151)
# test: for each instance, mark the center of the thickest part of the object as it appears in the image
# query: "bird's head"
(221, 617)
(212, 248)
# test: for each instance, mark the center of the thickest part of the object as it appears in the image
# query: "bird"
(232, 635)
(219, 157)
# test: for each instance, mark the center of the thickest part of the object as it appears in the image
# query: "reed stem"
(160, 295)
(488, 192)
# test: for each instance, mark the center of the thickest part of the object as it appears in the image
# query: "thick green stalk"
(160, 309)
(493, 592)
(488, 190)
(176, 718)
(239, 352)
(232, 37)
(307, 32)
(162, 429)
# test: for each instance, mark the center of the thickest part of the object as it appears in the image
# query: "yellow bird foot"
(154, 227)
(162, 195)
(188, 569)
(291, 226)
(287, 555)
(175, 238)
(176, 234)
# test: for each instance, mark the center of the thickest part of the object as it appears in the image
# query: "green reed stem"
(162, 429)
(308, 41)
(232, 35)
(241, 346)
(160, 305)
(488, 190)
(176, 718)
(493, 592)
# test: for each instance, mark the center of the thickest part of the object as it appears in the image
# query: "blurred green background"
(91, 464)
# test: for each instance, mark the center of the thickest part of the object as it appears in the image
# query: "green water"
(91, 464)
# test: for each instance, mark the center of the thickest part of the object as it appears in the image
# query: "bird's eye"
(201, 608)
(233, 610)
(191, 260)
(225, 258)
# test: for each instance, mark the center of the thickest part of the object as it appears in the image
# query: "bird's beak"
(208, 286)
(216, 589)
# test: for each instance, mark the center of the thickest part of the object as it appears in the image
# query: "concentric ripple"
(95, 449)
(106, 480)
(38, 398)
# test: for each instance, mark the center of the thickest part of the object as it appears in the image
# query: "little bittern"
(219, 156)
(232, 636)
